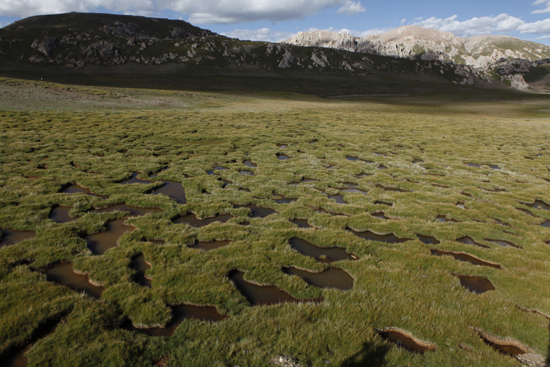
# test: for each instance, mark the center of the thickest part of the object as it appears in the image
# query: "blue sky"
(277, 20)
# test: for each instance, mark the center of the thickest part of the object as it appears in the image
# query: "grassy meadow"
(487, 151)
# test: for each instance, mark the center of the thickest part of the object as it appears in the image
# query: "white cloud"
(546, 3)
(403, 21)
(540, 27)
(200, 12)
(503, 23)
(351, 8)
(262, 34)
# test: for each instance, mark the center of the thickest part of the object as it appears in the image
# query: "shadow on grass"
(369, 356)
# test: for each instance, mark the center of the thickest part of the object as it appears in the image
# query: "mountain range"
(89, 48)
(428, 44)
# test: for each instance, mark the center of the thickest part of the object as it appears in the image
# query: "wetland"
(110, 217)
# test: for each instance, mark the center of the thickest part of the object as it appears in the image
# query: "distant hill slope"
(428, 44)
(106, 49)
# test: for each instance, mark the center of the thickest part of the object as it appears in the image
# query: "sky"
(268, 20)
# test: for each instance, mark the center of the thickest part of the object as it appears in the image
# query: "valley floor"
(429, 213)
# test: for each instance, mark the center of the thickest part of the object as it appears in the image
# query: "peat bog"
(207, 230)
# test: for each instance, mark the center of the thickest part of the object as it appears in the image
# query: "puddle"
(282, 146)
(477, 285)
(492, 190)
(321, 254)
(503, 243)
(460, 204)
(245, 189)
(16, 356)
(134, 179)
(225, 183)
(179, 314)
(193, 221)
(352, 158)
(246, 173)
(443, 219)
(380, 215)
(546, 224)
(462, 256)
(469, 241)
(60, 214)
(354, 191)
(262, 295)
(350, 185)
(538, 204)
(282, 157)
(363, 175)
(285, 200)
(162, 170)
(63, 274)
(417, 161)
(211, 245)
(308, 180)
(499, 222)
(382, 167)
(100, 242)
(133, 210)
(77, 189)
(250, 164)
(387, 238)
(494, 167)
(141, 266)
(381, 154)
(506, 346)
(338, 198)
(257, 211)
(329, 278)
(474, 165)
(428, 240)
(301, 223)
(173, 189)
(406, 340)
(220, 168)
(10, 237)
(391, 188)
(526, 212)
(378, 202)
(210, 172)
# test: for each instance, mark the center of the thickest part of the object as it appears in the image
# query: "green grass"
(97, 136)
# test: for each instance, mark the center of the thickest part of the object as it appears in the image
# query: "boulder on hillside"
(104, 48)
(47, 45)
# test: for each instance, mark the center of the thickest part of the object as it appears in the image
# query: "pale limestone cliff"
(427, 44)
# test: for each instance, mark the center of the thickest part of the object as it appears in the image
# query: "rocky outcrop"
(286, 62)
(104, 48)
(319, 60)
(517, 81)
(179, 33)
(427, 44)
(47, 45)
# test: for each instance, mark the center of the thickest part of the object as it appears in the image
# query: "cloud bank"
(200, 12)
(477, 26)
